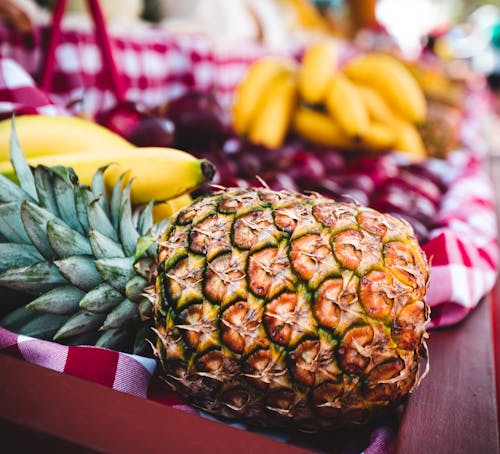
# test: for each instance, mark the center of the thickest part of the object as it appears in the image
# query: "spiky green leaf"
(79, 323)
(122, 315)
(101, 299)
(65, 241)
(45, 189)
(23, 171)
(11, 192)
(104, 247)
(64, 190)
(116, 271)
(146, 219)
(82, 198)
(128, 232)
(11, 225)
(99, 189)
(115, 202)
(34, 279)
(61, 300)
(80, 271)
(35, 220)
(44, 326)
(115, 339)
(14, 255)
(100, 221)
(134, 289)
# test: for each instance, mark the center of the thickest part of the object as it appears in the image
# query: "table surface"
(453, 411)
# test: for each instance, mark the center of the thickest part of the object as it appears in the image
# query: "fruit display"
(274, 307)
(371, 102)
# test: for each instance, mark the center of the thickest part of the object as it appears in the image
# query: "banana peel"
(42, 135)
(156, 173)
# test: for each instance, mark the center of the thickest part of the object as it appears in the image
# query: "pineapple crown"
(85, 255)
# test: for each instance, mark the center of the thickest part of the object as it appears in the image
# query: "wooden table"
(453, 411)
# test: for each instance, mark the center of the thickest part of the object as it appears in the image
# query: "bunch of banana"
(265, 100)
(373, 102)
(162, 174)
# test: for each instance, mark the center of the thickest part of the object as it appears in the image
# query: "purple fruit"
(199, 120)
(306, 168)
(152, 132)
(121, 118)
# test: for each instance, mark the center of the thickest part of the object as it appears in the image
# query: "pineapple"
(276, 308)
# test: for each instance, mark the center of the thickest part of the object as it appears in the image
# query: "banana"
(409, 141)
(273, 114)
(156, 173)
(166, 209)
(392, 80)
(250, 90)
(317, 68)
(345, 105)
(44, 135)
(319, 128)
(378, 136)
(378, 109)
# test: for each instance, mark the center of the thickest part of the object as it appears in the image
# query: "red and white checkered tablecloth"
(158, 66)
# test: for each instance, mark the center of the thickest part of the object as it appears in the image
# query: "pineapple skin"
(289, 310)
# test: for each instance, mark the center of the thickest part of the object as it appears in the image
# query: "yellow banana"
(378, 136)
(319, 128)
(157, 173)
(166, 209)
(317, 68)
(44, 135)
(378, 109)
(392, 80)
(273, 114)
(250, 90)
(409, 141)
(345, 105)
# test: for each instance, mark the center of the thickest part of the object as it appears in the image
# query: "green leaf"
(116, 271)
(35, 221)
(34, 279)
(99, 220)
(114, 339)
(64, 191)
(104, 247)
(23, 171)
(11, 225)
(80, 270)
(14, 255)
(45, 189)
(65, 241)
(128, 233)
(61, 300)
(81, 322)
(143, 244)
(101, 299)
(43, 326)
(11, 192)
(82, 197)
(19, 317)
(122, 315)
(99, 189)
(146, 219)
(134, 288)
(116, 202)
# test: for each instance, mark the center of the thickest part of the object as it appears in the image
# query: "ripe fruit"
(276, 308)
(316, 70)
(345, 105)
(36, 136)
(392, 80)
